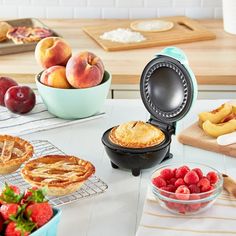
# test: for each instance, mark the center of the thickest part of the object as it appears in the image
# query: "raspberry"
(194, 188)
(167, 174)
(181, 172)
(159, 182)
(179, 182)
(172, 181)
(181, 208)
(169, 188)
(191, 177)
(204, 184)
(182, 192)
(174, 171)
(194, 206)
(213, 177)
(199, 172)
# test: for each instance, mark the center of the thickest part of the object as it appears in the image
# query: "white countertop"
(117, 212)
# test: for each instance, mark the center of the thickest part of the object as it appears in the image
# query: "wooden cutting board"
(185, 30)
(194, 136)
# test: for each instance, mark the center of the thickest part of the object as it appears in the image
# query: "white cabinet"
(204, 91)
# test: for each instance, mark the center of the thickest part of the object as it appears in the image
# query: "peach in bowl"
(186, 189)
(73, 103)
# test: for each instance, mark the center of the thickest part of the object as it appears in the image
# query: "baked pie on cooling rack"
(24, 34)
(136, 134)
(13, 152)
(58, 174)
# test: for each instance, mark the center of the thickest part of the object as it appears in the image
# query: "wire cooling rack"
(93, 186)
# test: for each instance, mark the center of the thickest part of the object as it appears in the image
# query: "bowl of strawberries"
(186, 189)
(27, 213)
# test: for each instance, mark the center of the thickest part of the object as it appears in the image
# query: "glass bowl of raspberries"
(186, 189)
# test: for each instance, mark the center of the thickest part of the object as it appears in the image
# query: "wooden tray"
(9, 47)
(185, 30)
(195, 136)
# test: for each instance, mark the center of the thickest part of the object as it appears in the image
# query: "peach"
(84, 70)
(55, 76)
(52, 51)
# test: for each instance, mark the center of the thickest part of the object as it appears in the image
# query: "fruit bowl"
(50, 228)
(74, 103)
(190, 194)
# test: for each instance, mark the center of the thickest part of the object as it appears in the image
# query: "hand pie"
(136, 134)
(58, 174)
(4, 27)
(13, 152)
(24, 34)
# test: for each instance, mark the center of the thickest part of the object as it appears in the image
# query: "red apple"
(20, 99)
(5, 84)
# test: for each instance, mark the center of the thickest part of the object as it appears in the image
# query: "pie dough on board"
(151, 25)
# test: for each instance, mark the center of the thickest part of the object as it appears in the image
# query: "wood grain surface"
(195, 136)
(185, 30)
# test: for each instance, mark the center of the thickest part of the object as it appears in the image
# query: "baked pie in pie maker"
(58, 174)
(14, 151)
(168, 88)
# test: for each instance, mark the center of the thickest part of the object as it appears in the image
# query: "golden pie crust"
(136, 134)
(58, 174)
(22, 34)
(4, 28)
(13, 152)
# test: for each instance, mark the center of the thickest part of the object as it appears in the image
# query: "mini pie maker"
(168, 89)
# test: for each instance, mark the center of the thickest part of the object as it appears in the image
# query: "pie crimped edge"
(123, 138)
(12, 165)
(56, 188)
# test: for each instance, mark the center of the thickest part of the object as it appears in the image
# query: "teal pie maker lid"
(168, 88)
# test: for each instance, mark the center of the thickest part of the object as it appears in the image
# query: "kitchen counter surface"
(117, 211)
(213, 61)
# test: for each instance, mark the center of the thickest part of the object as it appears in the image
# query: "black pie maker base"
(136, 159)
(167, 92)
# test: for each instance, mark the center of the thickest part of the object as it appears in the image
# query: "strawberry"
(10, 194)
(33, 195)
(10, 210)
(1, 223)
(39, 213)
(19, 227)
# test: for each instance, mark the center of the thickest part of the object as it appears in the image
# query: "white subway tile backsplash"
(187, 3)
(142, 13)
(158, 3)
(44, 3)
(110, 8)
(164, 12)
(125, 3)
(101, 3)
(73, 2)
(60, 12)
(16, 2)
(211, 3)
(115, 13)
(218, 13)
(91, 13)
(6, 11)
(200, 13)
(32, 11)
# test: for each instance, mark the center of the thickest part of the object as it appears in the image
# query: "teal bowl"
(49, 229)
(74, 103)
